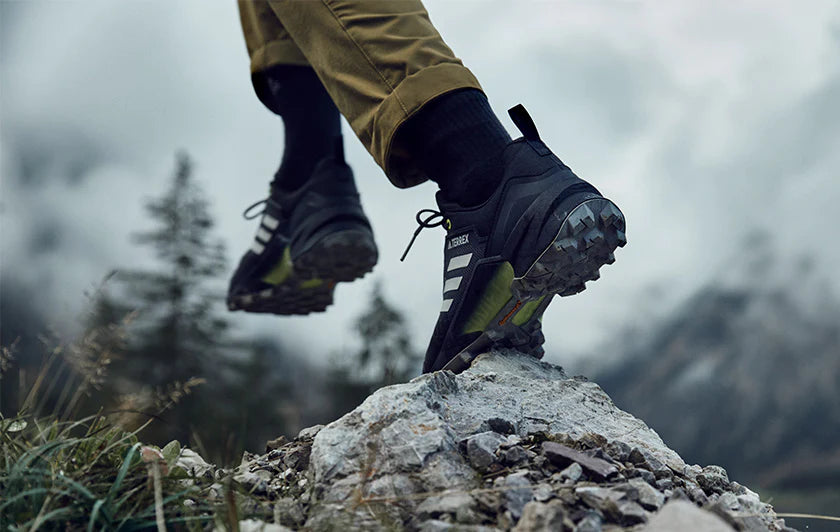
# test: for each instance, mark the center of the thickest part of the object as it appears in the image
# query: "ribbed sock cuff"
(458, 141)
(312, 123)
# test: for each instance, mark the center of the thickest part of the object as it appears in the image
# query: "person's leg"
(312, 123)
(380, 61)
(313, 231)
(286, 84)
(521, 227)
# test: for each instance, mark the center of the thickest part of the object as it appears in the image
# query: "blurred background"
(715, 126)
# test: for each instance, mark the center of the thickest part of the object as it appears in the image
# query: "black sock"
(457, 141)
(312, 121)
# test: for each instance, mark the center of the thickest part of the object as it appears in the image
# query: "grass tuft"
(88, 475)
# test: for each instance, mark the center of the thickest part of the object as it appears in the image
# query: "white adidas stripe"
(452, 284)
(446, 304)
(263, 235)
(257, 248)
(270, 221)
(461, 261)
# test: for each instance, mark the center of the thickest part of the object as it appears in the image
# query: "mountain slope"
(746, 373)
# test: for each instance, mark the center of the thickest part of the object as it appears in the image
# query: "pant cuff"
(274, 53)
(407, 98)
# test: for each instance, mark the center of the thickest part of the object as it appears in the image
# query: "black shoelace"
(263, 202)
(435, 219)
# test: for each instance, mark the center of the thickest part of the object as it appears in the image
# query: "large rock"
(510, 443)
(404, 439)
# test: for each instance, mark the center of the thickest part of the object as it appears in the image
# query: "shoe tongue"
(477, 217)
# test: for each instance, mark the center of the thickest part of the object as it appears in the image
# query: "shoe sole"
(340, 257)
(585, 242)
(343, 256)
(294, 297)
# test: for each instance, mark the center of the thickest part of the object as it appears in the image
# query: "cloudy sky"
(702, 120)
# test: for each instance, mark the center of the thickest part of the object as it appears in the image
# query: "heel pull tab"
(524, 122)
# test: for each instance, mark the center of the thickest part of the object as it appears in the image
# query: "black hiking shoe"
(307, 241)
(543, 232)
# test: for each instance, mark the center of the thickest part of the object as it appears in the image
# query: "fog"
(703, 121)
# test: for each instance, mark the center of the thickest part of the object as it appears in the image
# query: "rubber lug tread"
(585, 242)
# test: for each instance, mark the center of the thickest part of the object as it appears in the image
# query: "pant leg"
(268, 42)
(380, 61)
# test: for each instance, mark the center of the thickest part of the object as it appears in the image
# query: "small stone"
(517, 492)
(572, 473)
(677, 494)
(543, 492)
(716, 470)
(642, 492)
(297, 458)
(561, 455)
(637, 458)
(275, 454)
(664, 484)
(618, 450)
(730, 500)
(752, 505)
(598, 498)
(502, 426)
(696, 493)
(289, 512)
(488, 502)
(541, 517)
(192, 462)
(629, 513)
(736, 488)
(591, 522)
(275, 443)
(713, 479)
(644, 474)
(481, 449)
(655, 465)
(691, 471)
(466, 515)
(721, 510)
(515, 455)
(309, 433)
(541, 463)
(590, 440)
(663, 473)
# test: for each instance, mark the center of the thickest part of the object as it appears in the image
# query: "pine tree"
(180, 332)
(178, 337)
(385, 357)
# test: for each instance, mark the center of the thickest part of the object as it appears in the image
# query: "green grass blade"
(76, 486)
(44, 518)
(94, 513)
(122, 472)
(21, 495)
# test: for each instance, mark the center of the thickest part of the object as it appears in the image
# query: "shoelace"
(425, 223)
(246, 213)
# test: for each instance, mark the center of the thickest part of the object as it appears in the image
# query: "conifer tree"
(178, 336)
(184, 329)
(386, 355)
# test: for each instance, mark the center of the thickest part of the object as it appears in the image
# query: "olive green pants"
(380, 61)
